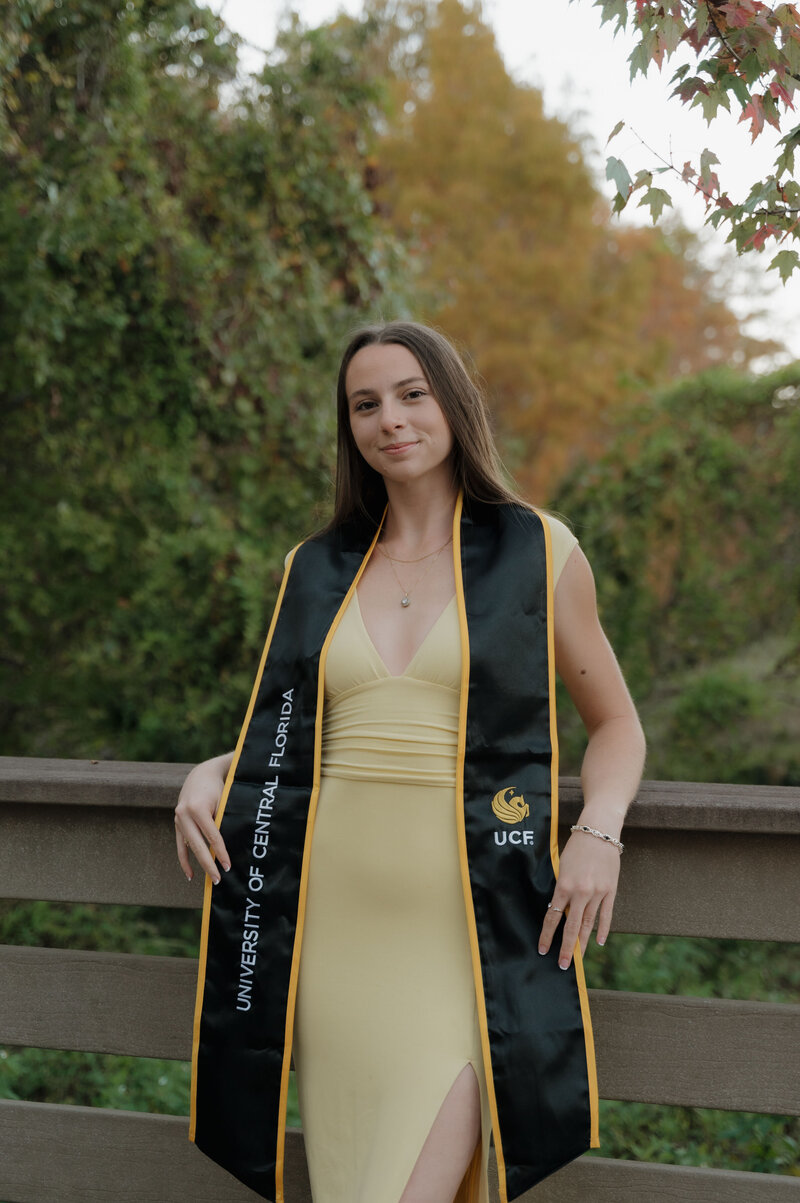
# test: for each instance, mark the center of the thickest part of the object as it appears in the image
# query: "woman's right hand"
(195, 828)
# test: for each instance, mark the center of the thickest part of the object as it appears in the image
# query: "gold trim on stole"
(591, 1066)
(462, 849)
(301, 904)
(201, 975)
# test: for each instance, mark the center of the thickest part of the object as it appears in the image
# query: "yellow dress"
(386, 1015)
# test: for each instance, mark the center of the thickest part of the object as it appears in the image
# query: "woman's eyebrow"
(400, 384)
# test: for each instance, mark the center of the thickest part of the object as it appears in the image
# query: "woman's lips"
(397, 448)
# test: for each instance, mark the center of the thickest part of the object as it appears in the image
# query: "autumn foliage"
(183, 257)
(564, 313)
(742, 49)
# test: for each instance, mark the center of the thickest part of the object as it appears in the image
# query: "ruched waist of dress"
(395, 729)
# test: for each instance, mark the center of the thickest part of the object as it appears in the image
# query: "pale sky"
(580, 67)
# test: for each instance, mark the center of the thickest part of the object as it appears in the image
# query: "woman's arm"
(197, 805)
(194, 817)
(612, 765)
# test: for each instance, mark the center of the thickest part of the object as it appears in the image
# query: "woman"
(404, 718)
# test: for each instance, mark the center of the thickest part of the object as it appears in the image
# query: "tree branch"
(710, 4)
(716, 200)
(720, 34)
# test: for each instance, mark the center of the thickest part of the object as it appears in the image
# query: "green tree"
(692, 524)
(178, 277)
(564, 314)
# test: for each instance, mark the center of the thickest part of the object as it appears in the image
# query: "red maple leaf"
(780, 93)
(761, 235)
(740, 13)
(754, 113)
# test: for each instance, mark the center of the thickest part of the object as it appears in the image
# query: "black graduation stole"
(535, 1028)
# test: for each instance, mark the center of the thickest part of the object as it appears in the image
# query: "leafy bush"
(733, 1140)
(692, 526)
(713, 702)
(104, 1080)
(95, 1080)
(147, 930)
(178, 280)
(692, 522)
(704, 968)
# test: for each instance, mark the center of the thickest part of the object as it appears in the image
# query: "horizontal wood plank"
(686, 805)
(672, 883)
(54, 1154)
(651, 1048)
(109, 783)
(99, 1002)
(719, 884)
(697, 1052)
(86, 1155)
(93, 854)
(603, 1180)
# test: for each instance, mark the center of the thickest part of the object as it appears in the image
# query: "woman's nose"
(391, 415)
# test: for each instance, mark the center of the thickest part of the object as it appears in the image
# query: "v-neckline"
(425, 637)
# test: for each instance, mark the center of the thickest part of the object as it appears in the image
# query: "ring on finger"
(550, 907)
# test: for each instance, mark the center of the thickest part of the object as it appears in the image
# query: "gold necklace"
(405, 600)
(397, 560)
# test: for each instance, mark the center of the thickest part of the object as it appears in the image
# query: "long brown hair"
(476, 465)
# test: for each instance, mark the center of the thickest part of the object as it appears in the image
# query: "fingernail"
(216, 880)
(563, 964)
(227, 868)
(542, 950)
(600, 941)
(188, 876)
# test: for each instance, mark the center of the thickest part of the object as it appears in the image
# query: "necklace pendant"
(404, 602)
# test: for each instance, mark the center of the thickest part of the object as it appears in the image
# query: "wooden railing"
(700, 860)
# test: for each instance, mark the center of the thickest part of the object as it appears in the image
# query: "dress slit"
(469, 1190)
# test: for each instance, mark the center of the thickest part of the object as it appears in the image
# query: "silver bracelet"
(601, 835)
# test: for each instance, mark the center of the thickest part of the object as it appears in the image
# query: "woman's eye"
(363, 405)
(415, 392)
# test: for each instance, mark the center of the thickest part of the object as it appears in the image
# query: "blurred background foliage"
(691, 519)
(178, 281)
(183, 253)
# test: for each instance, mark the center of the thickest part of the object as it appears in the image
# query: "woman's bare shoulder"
(562, 541)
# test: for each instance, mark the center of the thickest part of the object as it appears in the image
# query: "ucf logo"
(511, 807)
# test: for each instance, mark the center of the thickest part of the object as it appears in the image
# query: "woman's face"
(396, 421)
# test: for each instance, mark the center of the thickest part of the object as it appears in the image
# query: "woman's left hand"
(587, 884)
